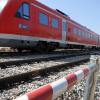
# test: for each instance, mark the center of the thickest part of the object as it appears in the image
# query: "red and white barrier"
(53, 90)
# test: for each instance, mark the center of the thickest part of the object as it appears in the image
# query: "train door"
(64, 29)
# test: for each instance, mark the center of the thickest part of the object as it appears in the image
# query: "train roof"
(55, 11)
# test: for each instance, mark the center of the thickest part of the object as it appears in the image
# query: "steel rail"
(9, 81)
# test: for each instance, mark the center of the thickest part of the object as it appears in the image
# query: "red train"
(27, 24)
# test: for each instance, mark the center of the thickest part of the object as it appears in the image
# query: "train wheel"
(41, 47)
(19, 50)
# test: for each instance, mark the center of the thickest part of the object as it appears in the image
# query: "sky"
(85, 12)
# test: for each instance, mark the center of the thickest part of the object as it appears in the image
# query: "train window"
(64, 26)
(54, 23)
(75, 30)
(26, 10)
(83, 34)
(86, 34)
(96, 38)
(79, 32)
(91, 36)
(23, 11)
(43, 18)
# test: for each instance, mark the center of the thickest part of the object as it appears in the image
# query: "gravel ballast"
(14, 70)
(24, 87)
(40, 81)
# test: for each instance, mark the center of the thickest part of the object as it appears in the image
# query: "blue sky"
(85, 12)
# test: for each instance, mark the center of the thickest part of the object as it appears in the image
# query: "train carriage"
(27, 24)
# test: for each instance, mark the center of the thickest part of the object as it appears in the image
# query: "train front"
(3, 23)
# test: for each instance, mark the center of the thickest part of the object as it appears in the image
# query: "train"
(29, 24)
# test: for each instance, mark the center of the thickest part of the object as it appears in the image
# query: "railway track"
(19, 75)
(32, 83)
(59, 51)
(9, 82)
(17, 60)
(11, 58)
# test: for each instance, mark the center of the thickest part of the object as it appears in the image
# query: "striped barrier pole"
(91, 82)
(53, 90)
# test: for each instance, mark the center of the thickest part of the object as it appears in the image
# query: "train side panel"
(23, 23)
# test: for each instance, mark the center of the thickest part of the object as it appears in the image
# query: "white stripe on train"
(31, 38)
